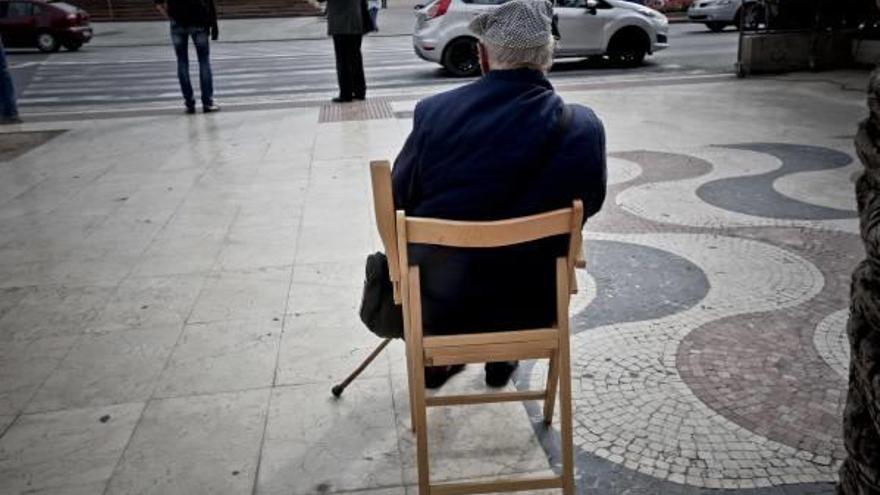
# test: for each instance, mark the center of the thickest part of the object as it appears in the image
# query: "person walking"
(347, 21)
(374, 14)
(196, 19)
(8, 106)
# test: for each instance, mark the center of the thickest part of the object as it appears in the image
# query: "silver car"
(716, 14)
(622, 31)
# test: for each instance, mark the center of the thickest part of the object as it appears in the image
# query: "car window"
(66, 7)
(581, 4)
(484, 2)
(19, 9)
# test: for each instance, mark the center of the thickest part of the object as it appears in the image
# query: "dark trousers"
(349, 65)
(8, 107)
(180, 36)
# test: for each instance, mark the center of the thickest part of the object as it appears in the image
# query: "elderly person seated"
(500, 147)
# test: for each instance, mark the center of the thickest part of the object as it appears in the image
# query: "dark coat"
(347, 17)
(474, 154)
(192, 13)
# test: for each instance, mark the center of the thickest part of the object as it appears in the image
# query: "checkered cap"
(517, 24)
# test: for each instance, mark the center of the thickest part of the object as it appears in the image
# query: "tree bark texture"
(860, 472)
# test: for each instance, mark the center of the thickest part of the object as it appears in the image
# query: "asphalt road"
(106, 78)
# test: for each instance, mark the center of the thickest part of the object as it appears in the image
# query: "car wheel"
(461, 58)
(628, 47)
(72, 47)
(716, 27)
(753, 17)
(46, 42)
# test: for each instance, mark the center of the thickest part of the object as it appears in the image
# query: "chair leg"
(413, 382)
(563, 354)
(552, 381)
(410, 369)
(565, 418)
(420, 425)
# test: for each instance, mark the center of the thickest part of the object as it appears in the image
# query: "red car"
(44, 25)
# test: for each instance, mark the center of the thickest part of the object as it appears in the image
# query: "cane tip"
(336, 391)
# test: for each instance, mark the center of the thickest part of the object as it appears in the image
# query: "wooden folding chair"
(542, 343)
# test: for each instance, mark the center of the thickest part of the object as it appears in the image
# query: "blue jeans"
(8, 107)
(180, 36)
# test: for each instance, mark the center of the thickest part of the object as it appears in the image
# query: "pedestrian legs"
(374, 16)
(359, 83)
(179, 35)
(8, 106)
(206, 78)
(343, 69)
(349, 66)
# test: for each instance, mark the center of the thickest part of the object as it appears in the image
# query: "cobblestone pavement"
(177, 296)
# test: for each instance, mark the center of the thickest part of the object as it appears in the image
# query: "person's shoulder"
(585, 119)
(453, 97)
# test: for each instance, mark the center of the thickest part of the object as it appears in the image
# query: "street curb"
(233, 42)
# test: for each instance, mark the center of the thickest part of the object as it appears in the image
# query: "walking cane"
(339, 388)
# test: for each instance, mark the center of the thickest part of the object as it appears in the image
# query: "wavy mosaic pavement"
(711, 353)
(733, 170)
(756, 195)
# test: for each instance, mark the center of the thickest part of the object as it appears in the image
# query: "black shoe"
(340, 99)
(190, 110)
(213, 107)
(498, 374)
(436, 376)
(360, 97)
(10, 120)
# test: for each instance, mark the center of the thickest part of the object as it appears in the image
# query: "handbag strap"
(552, 144)
(549, 150)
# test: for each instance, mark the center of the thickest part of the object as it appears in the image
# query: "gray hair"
(537, 58)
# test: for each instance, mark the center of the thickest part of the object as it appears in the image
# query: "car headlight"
(651, 14)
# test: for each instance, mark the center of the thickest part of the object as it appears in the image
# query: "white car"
(716, 14)
(623, 31)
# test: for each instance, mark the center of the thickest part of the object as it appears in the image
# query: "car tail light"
(438, 8)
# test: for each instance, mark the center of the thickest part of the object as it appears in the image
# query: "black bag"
(378, 311)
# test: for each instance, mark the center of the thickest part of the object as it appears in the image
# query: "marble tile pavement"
(178, 294)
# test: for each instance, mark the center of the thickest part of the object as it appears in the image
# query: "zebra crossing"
(132, 78)
(148, 75)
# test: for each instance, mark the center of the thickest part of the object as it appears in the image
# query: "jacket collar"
(523, 76)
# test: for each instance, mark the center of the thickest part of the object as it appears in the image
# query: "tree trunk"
(860, 473)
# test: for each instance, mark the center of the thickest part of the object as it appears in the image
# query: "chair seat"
(490, 347)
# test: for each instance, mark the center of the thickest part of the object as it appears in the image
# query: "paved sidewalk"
(178, 294)
(397, 20)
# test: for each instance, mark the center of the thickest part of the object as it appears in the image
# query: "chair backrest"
(453, 233)
(383, 206)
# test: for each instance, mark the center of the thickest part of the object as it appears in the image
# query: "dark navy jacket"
(475, 153)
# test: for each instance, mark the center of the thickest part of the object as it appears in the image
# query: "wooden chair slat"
(451, 233)
(504, 485)
(463, 400)
(541, 334)
(481, 357)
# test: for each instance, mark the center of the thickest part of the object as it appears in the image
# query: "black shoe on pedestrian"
(341, 99)
(436, 376)
(10, 120)
(190, 110)
(498, 374)
(360, 97)
(213, 107)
